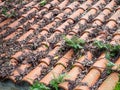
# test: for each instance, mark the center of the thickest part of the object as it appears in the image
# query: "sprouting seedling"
(109, 66)
(4, 12)
(57, 80)
(39, 86)
(117, 86)
(43, 2)
(75, 42)
(110, 51)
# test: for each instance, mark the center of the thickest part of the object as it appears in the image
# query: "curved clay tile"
(117, 64)
(19, 53)
(3, 32)
(5, 22)
(85, 18)
(76, 14)
(29, 12)
(110, 6)
(50, 25)
(116, 38)
(13, 62)
(61, 15)
(50, 14)
(56, 71)
(24, 36)
(64, 60)
(63, 4)
(96, 6)
(20, 70)
(42, 33)
(93, 11)
(27, 5)
(12, 35)
(101, 17)
(72, 76)
(90, 79)
(15, 23)
(88, 56)
(66, 11)
(34, 74)
(52, 3)
(64, 25)
(46, 60)
(77, 68)
(86, 5)
(80, 10)
(111, 80)
(112, 22)
(86, 33)
(102, 36)
(41, 48)
(73, 5)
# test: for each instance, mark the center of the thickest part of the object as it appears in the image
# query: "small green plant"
(39, 86)
(75, 42)
(43, 2)
(117, 86)
(110, 51)
(4, 12)
(57, 80)
(109, 67)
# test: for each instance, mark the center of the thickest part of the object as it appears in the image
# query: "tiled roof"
(32, 47)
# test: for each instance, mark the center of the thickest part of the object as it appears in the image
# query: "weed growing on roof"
(57, 80)
(117, 86)
(6, 14)
(39, 86)
(110, 51)
(75, 43)
(43, 2)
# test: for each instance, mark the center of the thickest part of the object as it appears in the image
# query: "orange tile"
(110, 82)
(85, 5)
(19, 53)
(18, 70)
(110, 6)
(73, 5)
(65, 59)
(14, 24)
(35, 73)
(112, 79)
(73, 73)
(57, 70)
(5, 22)
(91, 78)
(12, 35)
(63, 4)
(81, 59)
(23, 37)
(101, 17)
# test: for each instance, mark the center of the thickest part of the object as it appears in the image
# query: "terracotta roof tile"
(33, 40)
